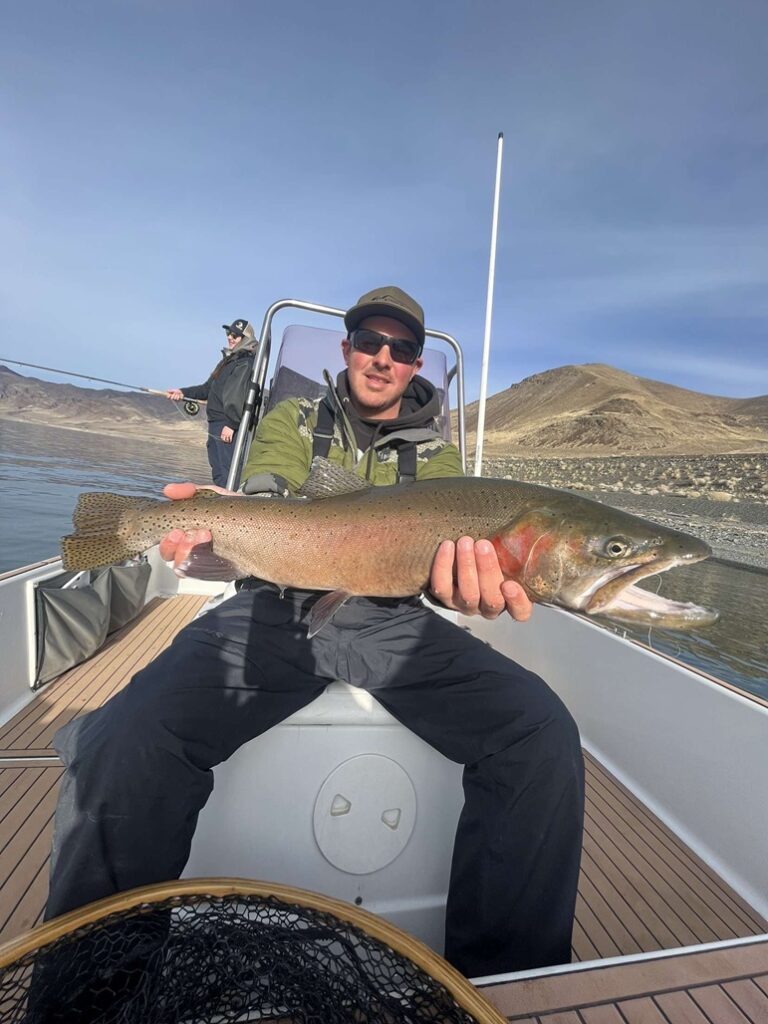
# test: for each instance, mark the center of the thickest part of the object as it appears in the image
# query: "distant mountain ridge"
(29, 400)
(583, 409)
(599, 409)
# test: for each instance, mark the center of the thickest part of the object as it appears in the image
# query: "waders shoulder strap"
(323, 433)
(406, 462)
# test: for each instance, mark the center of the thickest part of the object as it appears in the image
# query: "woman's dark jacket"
(226, 389)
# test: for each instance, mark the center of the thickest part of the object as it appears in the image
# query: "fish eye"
(616, 547)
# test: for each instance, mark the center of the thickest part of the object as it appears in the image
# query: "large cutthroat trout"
(381, 541)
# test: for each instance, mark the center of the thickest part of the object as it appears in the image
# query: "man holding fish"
(139, 768)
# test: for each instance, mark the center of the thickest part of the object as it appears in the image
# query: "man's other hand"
(176, 545)
(175, 394)
(227, 433)
(466, 576)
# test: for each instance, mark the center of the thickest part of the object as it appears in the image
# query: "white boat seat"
(339, 798)
(343, 704)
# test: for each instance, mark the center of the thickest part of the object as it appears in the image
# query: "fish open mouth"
(621, 600)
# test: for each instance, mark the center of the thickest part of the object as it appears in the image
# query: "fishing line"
(188, 406)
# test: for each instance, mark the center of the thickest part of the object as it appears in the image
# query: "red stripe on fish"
(514, 548)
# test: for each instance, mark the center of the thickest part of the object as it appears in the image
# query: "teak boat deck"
(641, 889)
(716, 986)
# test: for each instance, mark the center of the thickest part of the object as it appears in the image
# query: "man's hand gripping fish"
(353, 539)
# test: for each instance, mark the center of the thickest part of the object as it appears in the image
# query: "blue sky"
(170, 165)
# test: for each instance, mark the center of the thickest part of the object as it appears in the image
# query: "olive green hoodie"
(282, 444)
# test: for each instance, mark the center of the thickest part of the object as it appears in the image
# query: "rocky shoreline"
(721, 498)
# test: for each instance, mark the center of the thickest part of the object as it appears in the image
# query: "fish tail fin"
(102, 536)
(79, 553)
(98, 510)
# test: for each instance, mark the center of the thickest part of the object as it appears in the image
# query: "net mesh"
(220, 959)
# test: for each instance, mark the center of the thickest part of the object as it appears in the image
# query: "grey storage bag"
(74, 621)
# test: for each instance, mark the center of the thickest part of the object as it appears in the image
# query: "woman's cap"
(240, 326)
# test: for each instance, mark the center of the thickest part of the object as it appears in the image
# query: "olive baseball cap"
(387, 301)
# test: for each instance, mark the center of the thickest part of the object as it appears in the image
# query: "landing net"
(203, 957)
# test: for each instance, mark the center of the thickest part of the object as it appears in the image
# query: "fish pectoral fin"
(324, 609)
(327, 479)
(203, 564)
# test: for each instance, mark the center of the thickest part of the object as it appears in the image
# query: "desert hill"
(29, 400)
(599, 409)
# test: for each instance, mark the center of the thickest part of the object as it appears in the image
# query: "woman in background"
(225, 393)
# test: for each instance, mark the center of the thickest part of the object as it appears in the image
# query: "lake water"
(735, 648)
(43, 469)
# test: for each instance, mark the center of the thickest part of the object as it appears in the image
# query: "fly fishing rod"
(102, 380)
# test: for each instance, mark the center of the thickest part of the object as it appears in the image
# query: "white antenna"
(488, 315)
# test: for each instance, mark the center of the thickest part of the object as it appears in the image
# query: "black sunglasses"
(402, 350)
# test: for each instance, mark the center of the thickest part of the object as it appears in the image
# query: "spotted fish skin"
(380, 542)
